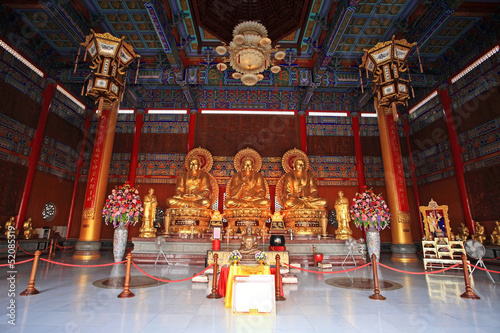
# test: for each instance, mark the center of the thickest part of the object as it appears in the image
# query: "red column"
(192, 127)
(134, 156)
(36, 147)
(457, 156)
(406, 128)
(303, 131)
(79, 164)
(360, 167)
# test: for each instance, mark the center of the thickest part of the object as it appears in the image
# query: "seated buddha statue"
(495, 234)
(192, 189)
(300, 190)
(249, 245)
(248, 189)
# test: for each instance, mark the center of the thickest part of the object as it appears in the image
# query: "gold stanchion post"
(278, 280)
(214, 293)
(126, 293)
(31, 290)
(51, 251)
(376, 285)
(468, 289)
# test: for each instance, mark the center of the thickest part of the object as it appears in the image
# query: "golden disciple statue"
(147, 229)
(495, 234)
(299, 188)
(248, 189)
(29, 232)
(342, 209)
(463, 232)
(479, 236)
(249, 245)
(10, 226)
(193, 189)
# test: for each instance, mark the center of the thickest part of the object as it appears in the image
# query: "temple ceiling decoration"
(324, 39)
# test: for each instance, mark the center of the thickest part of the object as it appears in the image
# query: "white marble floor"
(68, 302)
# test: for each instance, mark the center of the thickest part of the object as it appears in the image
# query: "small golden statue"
(10, 226)
(166, 222)
(29, 232)
(463, 232)
(300, 190)
(147, 229)
(193, 188)
(495, 234)
(249, 245)
(277, 224)
(342, 209)
(479, 236)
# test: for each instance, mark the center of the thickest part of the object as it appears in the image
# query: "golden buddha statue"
(247, 193)
(10, 226)
(149, 204)
(29, 232)
(189, 210)
(479, 235)
(297, 192)
(248, 188)
(300, 190)
(495, 234)
(249, 246)
(463, 232)
(192, 189)
(343, 218)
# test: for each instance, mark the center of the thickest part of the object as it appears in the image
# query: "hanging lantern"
(109, 56)
(386, 63)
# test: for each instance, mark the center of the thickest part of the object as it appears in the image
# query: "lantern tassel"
(361, 79)
(275, 88)
(248, 98)
(137, 71)
(394, 112)
(76, 60)
(420, 61)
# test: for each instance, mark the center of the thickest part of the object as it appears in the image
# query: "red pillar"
(303, 131)
(134, 156)
(360, 167)
(192, 127)
(79, 164)
(406, 128)
(456, 151)
(36, 147)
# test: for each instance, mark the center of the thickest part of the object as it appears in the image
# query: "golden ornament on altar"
(149, 202)
(29, 232)
(463, 232)
(495, 234)
(479, 235)
(10, 224)
(343, 232)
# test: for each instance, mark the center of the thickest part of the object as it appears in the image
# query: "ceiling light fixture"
(249, 53)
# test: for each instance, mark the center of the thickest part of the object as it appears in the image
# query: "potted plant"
(370, 212)
(235, 257)
(122, 207)
(261, 257)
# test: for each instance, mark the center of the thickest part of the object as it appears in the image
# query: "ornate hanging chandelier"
(386, 64)
(249, 53)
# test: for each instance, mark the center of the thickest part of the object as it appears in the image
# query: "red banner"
(397, 163)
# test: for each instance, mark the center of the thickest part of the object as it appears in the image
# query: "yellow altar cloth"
(235, 270)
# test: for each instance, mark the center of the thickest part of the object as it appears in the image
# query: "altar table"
(225, 284)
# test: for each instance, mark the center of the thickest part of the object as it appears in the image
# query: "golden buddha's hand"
(189, 196)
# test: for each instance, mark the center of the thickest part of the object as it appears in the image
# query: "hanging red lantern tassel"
(275, 88)
(220, 84)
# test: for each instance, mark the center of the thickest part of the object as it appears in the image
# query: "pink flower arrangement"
(368, 209)
(123, 206)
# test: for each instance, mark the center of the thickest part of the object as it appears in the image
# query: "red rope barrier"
(4, 249)
(484, 269)
(157, 279)
(73, 265)
(335, 272)
(483, 258)
(33, 252)
(65, 247)
(418, 273)
(17, 263)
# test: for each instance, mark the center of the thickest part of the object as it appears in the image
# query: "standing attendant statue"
(10, 224)
(147, 229)
(342, 209)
